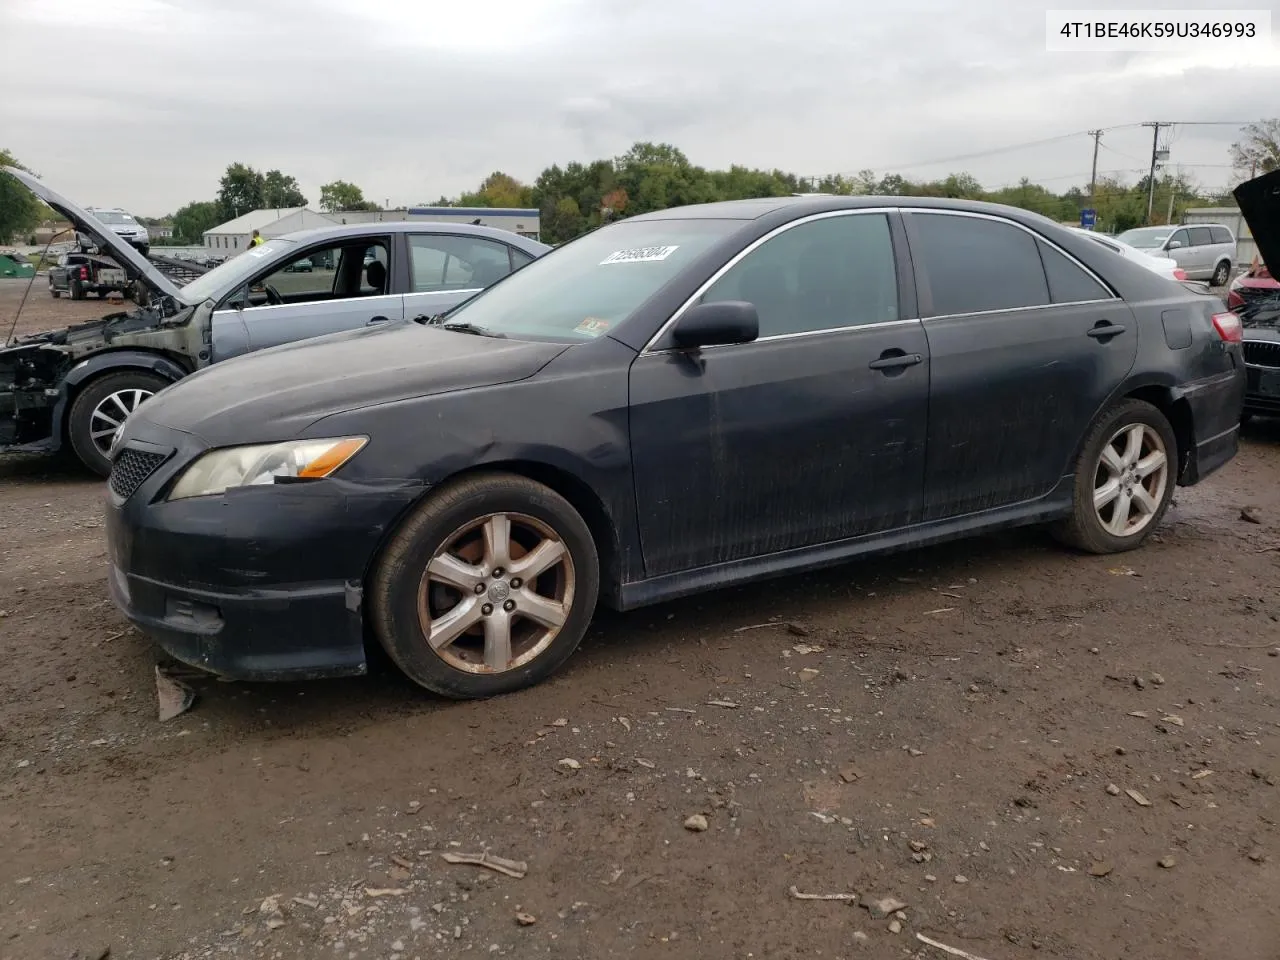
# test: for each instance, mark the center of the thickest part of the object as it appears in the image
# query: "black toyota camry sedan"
(673, 403)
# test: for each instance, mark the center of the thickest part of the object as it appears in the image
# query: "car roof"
(339, 231)
(801, 206)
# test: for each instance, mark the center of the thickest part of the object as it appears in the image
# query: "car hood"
(133, 262)
(1259, 201)
(277, 393)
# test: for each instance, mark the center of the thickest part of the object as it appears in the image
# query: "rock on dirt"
(696, 823)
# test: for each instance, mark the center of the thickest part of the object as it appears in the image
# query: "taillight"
(1228, 327)
(84, 273)
(1179, 273)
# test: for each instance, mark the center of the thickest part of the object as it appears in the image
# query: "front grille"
(131, 468)
(1262, 353)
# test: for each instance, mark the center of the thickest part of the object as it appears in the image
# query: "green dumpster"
(16, 265)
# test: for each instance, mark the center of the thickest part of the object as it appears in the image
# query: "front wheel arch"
(583, 499)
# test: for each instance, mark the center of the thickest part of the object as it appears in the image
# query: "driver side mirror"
(1173, 245)
(715, 324)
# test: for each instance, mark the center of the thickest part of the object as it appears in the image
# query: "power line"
(983, 153)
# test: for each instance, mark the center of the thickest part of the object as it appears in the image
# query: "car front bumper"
(260, 583)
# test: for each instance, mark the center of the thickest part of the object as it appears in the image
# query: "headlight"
(218, 470)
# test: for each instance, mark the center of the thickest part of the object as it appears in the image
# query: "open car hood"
(1259, 201)
(134, 263)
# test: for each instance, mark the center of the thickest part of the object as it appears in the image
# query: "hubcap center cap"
(499, 590)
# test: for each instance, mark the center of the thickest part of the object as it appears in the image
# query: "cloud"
(143, 103)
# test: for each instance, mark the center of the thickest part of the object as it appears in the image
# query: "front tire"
(1124, 480)
(486, 588)
(1221, 274)
(101, 408)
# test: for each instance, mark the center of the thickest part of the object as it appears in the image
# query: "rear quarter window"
(1220, 235)
(1069, 283)
(975, 264)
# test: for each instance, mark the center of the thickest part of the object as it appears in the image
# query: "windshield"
(586, 288)
(112, 217)
(1146, 238)
(227, 276)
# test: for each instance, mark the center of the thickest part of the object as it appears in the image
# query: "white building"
(233, 236)
(524, 221)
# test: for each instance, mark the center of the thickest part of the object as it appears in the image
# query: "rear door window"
(976, 264)
(1200, 236)
(441, 262)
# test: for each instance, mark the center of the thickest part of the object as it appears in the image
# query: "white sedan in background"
(1165, 266)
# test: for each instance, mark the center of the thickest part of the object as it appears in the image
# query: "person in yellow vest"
(256, 240)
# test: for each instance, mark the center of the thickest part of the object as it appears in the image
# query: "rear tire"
(1221, 274)
(486, 588)
(1124, 479)
(94, 410)
(77, 290)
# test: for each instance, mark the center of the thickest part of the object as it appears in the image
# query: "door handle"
(377, 320)
(1105, 329)
(895, 360)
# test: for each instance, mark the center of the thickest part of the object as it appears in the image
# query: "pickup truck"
(79, 274)
(74, 387)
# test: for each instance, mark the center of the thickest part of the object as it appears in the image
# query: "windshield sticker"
(592, 326)
(640, 255)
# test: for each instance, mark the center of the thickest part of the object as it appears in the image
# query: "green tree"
(498, 190)
(340, 195)
(240, 191)
(279, 190)
(1258, 151)
(20, 211)
(191, 221)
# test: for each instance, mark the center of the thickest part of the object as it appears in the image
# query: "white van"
(1206, 251)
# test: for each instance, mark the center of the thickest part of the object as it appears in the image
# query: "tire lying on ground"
(1124, 479)
(486, 588)
(99, 409)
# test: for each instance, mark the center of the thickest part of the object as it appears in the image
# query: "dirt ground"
(43, 311)
(1004, 736)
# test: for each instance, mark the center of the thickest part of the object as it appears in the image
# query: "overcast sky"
(143, 103)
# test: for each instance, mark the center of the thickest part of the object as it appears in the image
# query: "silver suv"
(119, 222)
(1205, 251)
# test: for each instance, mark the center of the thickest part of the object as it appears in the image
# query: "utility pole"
(1093, 177)
(1151, 179)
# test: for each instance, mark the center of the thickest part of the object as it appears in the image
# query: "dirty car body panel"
(882, 416)
(175, 331)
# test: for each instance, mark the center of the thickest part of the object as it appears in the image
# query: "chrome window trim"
(1036, 236)
(788, 336)
(733, 261)
(280, 306)
(440, 293)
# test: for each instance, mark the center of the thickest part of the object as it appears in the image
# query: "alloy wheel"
(1130, 480)
(496, 594)
(110, 414)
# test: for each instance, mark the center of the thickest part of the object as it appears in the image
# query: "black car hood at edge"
(1259, 201)
(277, 393)
(134, 263)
